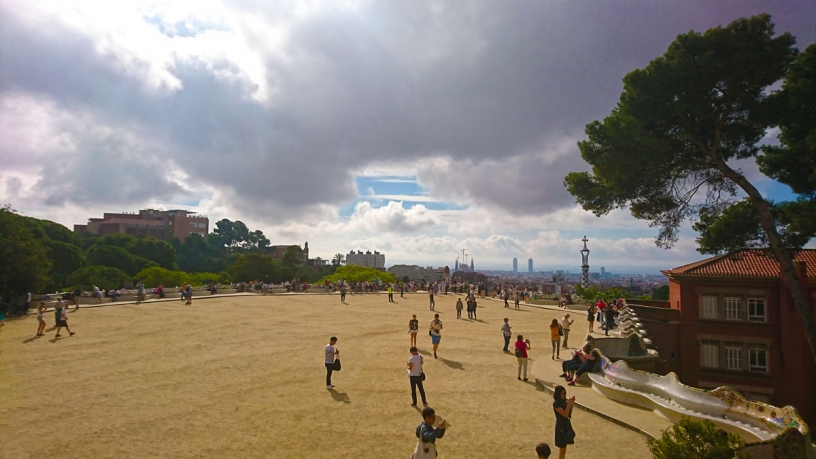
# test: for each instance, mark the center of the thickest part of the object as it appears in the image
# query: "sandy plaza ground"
(243, 377)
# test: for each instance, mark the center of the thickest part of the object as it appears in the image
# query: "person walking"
(343, 293)
(504, 296)
(331, 355)
(505, 329)
(516, 298)
(40, 319)
(390, 294)
(63, 322)
(555, 337)
(427, 435)
(562, 407)
(435, 330)
(522, 346)
(470, 307)
(402, 289)
(27, 302)
(458, 308)
(591, 317)
(565, 328)
(416, 376)
(140, 291)
(77, 297)
(413, 329)
(473, 308)
(189, 294)
(58, 311)
(431, 295)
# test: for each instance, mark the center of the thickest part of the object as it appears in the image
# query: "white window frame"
(752, 315)
(710, 354)
(754, 351)
(729, 312)
(708, 307)
(732, 356)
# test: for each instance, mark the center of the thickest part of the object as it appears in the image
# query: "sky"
(415, 128)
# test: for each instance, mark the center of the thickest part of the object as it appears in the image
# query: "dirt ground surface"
(243, 377)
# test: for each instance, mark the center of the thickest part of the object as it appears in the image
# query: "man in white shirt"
(331, 354)
(565, 326)
(415, 375)
(505, 328)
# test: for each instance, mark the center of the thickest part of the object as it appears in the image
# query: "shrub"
(690, 439)
(101, 276)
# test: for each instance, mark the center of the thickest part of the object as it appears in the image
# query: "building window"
(757, 358)
(193, 224)
(202, 225)
(708, 309)
(710, 354)
(170, 223)
(733, 356)
(731, 308)
(756, 309)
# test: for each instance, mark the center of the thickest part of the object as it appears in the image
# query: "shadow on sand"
(452, 363)
(340, 396)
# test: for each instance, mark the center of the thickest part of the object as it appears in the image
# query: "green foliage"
(690, 439)
(209, 278)
(738, 226)
(612, 294)
(338, 259)
(101, 276)
(154, 276)
(119, 258)
(661, 293)
(293, 256)
(24, 262)
(254, 267)
(160, 252)
(66, 258)
(354, 273)
(793, 161)
(588, 294)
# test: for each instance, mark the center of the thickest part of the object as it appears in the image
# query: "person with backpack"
(555, 337)
(427, 435)
(522, 346)
(416, 376)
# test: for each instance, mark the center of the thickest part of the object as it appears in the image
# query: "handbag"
(518, 353)
(422, 376)
(336, 365)
(569, 436)
(560, 331)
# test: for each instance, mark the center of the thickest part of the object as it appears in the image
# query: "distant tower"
(515, 265)
(456, 266)
(585, 264)
(530, 266)
(471, 265)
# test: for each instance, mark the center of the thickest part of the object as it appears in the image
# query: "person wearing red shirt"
(522, 346)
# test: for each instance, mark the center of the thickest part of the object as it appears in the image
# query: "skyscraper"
(530, 266)
(515, 265)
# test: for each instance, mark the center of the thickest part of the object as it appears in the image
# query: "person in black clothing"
(562, 407)
(609, 314)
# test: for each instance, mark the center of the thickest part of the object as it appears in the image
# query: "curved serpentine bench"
(668, 397)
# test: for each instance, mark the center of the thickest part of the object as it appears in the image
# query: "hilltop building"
(371, 260)
(160, 224)
(418, 273)
(278, 251)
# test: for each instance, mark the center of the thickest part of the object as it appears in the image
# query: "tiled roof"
(747, 263)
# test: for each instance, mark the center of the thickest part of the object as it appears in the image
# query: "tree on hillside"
(338, 259)
(293, 256)
(160, 252)
(668, 149)
(354, 273)
(101, 276)
(119, 258)
(253, 267)
(24, 262)
(661, 293)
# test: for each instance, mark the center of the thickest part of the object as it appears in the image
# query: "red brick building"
(160, 224)
(737, 326)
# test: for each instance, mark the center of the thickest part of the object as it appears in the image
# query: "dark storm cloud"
(493, 87)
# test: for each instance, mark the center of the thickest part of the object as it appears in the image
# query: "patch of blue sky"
(389, 185)
(189, 28)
